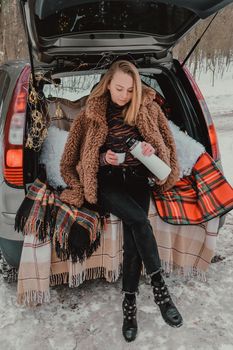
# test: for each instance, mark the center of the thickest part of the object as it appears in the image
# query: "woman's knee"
(140, 222)
(142, 231)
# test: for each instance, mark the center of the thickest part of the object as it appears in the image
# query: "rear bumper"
(11, 250)
(10, 201)
(7, 230)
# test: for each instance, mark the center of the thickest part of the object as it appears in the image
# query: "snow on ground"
(89, 317)
(224, 126)
(219, 96)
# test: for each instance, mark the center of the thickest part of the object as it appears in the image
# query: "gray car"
(71, 44)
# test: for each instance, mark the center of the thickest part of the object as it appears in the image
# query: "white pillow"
(51, 154)
(188, 149)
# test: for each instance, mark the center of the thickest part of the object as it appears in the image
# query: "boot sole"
(173, 325)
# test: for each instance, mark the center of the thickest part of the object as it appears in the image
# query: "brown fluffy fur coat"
(80, 160)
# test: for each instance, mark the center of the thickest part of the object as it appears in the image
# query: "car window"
(151, 81)
(65, 17)
(73, 87)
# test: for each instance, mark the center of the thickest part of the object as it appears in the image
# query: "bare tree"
(12, 35)
(215, 51)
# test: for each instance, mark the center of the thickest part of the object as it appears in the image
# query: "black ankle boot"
(163, 299)
(130, 327)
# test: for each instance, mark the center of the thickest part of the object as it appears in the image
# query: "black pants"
(126, 194)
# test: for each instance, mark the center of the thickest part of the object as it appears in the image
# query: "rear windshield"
(126, 16)
(73, 88)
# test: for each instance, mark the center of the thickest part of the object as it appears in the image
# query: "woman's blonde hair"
(130, 113)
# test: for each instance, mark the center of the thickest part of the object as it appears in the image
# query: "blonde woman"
(118, 108)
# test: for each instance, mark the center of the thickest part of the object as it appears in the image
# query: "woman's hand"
(147, 149)
(111, 158)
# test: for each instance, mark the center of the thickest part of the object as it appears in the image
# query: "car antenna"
(197, 42)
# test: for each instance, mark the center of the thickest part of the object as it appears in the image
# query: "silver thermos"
(160, 169)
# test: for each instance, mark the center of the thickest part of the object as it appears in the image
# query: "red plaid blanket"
(197, 198)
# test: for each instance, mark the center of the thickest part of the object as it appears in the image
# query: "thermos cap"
(131, 141)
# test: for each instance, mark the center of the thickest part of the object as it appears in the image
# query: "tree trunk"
(12, 35)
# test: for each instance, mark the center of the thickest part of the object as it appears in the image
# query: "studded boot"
(163, 299)
(130, 327)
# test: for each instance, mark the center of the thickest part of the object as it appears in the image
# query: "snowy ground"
(219, 96)
(89, 317)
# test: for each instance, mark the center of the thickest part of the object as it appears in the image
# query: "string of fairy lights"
(37, 129)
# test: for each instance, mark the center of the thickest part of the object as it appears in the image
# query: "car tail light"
(14, 131)
(207, 116)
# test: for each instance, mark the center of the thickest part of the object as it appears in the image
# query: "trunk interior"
(174, 94)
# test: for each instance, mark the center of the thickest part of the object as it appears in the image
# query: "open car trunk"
(85, 36)
(65, 102)
(84, 28)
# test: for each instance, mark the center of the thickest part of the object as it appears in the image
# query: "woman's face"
(121, 88)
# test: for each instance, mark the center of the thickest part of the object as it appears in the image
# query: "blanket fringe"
(76, 280)
(169, 268)
(113, 275)
(186, 272)
(58, 279)
(94, 273)
(37, 228)
(64, 251)
(33, 297)
(87, 274)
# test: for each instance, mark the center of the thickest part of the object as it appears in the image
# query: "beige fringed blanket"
(186, 249)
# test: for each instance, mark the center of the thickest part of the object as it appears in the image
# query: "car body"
(14, 77)
(76, 41)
